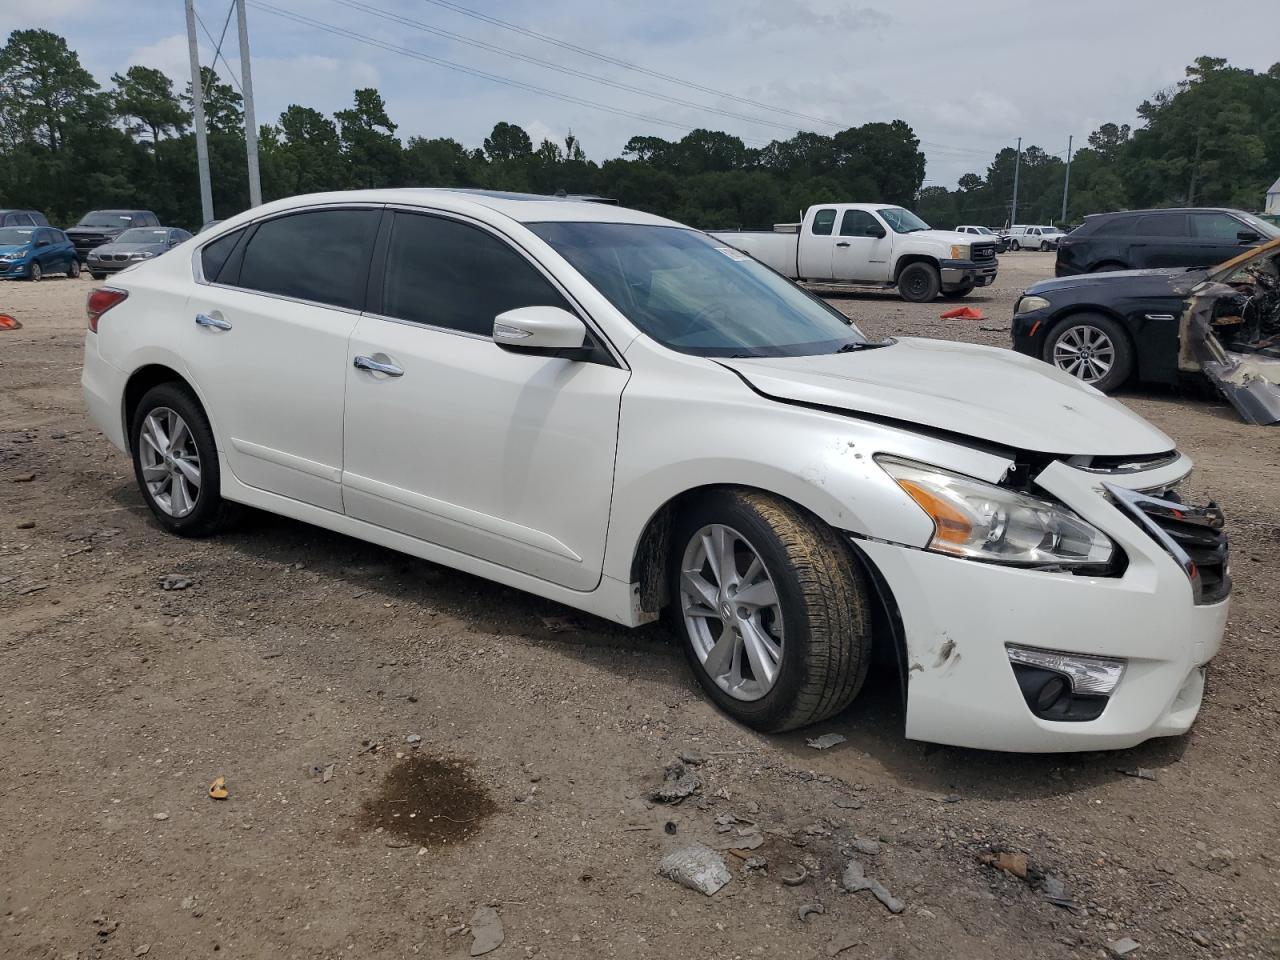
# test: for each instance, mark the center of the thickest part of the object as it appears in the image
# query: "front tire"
(1015, 246)
(1044, 247)
(772, 610)
(919, 283)
(97, 276)
(175, 462)
(1092, 348)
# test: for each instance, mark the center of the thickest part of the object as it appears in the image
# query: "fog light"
(1097, 676)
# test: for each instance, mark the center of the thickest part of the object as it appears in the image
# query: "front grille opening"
(1193, 536)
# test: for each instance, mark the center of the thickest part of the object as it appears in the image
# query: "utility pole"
(1017, 163)
(197, 117)
(1066, 180)
(250, 123)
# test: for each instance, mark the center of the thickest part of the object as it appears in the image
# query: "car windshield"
(104, 218)
(696, 295)
(1268, 230)
(902, 221)
(142, 235)
(10, 236)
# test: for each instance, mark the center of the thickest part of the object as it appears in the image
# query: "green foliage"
(67, 147)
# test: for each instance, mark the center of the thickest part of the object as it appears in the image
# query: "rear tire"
(73, 271)
(919, 283)
(808, 598)
(1081, 343)
(185, 444)
(37, 272)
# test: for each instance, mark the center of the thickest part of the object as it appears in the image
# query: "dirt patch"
(429, 801)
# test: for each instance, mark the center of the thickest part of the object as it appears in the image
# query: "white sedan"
(619, 413)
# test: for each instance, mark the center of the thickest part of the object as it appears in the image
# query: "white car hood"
(983, 392)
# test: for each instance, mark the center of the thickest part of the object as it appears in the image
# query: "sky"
(969, 78)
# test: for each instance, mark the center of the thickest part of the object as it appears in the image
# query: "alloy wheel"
(731, 612)
(1085, 352)
(170, 462)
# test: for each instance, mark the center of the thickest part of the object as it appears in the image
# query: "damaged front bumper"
(961, 619)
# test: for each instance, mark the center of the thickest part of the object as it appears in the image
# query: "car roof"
(520, 207)
(1121, 213)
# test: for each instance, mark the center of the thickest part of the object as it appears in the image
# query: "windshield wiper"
(856, 345)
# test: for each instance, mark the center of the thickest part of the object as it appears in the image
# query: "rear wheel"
(1092, 348)
(37, 271)
(772, 610)
(919, 282)
(175, 462)
(73, 270)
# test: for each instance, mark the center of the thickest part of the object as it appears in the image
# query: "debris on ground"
(848, 803)
(697, 867)
(1141, 773)
(755, 863)
(798, 879)
(160, 815)
(1008, 861)
(413, 739)
(486, 931)
(560, 624)
(218, 789)
(826, 741)
(870, 847)
(326, 774)
(8, 322)
(840, 945)
(677, 783)
(808, 908)
(172, 581)
(692, 757)
(855, 880)
(1055, 891)
(142, 949)
(963, 313)
(1123, 947)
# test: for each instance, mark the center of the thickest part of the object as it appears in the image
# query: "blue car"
(32, 252)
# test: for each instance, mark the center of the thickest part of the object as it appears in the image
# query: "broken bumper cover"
(964, 273)
(960, 618)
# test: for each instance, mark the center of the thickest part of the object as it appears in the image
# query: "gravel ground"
(402, 744)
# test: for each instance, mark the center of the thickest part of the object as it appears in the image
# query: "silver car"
(133, 246)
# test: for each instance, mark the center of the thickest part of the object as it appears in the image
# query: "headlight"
(959, 251)
(12, 257)
(980, 521)
(141, 256)
(1027, 304)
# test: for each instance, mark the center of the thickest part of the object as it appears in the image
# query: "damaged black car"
(1164, 325)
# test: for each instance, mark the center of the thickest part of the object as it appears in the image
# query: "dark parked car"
(22, 218)
(102, 226)
(1138, 239)
(32, 252)
(133, 246)
(1104, 328)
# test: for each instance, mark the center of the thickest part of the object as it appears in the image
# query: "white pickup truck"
(872, 244)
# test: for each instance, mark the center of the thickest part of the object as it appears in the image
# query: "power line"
(449, 64)
(217, 53)
(617, 62)
(558, 67)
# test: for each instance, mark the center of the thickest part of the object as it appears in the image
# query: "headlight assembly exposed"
(1027, 304)
(980, 521)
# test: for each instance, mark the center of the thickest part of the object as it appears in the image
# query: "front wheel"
(97, 276)
(175, 462)
(1044, 247)
(919, 282)
(1092, 348)
(772, 610)
(1015, 246)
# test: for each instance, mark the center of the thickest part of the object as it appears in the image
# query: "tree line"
(67, 146)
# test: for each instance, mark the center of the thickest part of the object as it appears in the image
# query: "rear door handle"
(377, 366)
(217, 323)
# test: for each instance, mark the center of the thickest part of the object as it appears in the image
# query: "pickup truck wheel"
(772, 610)
(919, 282)
(1092, 348)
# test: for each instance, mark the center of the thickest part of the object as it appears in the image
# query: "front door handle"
(377, 366)
(217, 323)
(843, 243)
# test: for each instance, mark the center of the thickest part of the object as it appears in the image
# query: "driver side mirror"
(547, 330)
(1247, 236)
(877, 231)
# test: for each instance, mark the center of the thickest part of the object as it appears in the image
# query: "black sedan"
(133, 246)
(1104, 328)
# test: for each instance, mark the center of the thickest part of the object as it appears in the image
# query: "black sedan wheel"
(1092, 348)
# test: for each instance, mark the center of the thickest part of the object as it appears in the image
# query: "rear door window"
(319, 255)
(823, 222)
(443, 273)
(1162, 225)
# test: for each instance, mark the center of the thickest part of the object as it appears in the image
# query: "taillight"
(102, 299)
